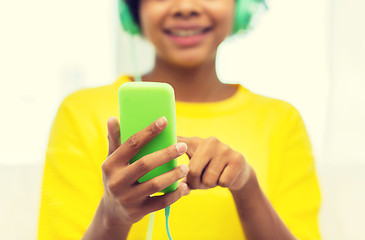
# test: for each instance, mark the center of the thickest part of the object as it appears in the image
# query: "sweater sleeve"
(68, 202)
(293, 185)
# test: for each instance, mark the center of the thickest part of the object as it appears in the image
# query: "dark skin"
(124, 201)
(194, 84)
(191, 71)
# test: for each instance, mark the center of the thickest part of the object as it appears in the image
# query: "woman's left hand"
(214, 163)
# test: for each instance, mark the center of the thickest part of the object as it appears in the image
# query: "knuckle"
(238, 158)
(223, 182)
(133, 142)
(105, 167)
(155, 185)
(142, 165)
(208, 182)
(226, 150)
(194, 172)
(213, 140)
(152, 129)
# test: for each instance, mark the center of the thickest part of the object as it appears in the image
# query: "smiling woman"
(186, 33)
(251, 154)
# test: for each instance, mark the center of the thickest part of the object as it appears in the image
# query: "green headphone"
(244, 12)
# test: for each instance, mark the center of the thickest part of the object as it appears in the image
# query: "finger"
(182, 139)
(192, 142)
(133, 144)
(184, 180)
(229, 175)
(213, 171)
(151, 161)
(161, 182)
(113, 134)
(197, 164)
(156, 203)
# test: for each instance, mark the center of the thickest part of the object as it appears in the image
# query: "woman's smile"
(186, 33)
(187, 36)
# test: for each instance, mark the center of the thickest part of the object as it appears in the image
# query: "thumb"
(113, 134)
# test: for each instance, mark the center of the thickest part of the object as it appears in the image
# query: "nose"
(186, 8)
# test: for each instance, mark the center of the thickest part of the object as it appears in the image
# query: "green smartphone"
(141, 103)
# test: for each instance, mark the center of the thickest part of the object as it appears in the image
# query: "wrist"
(106, 226)
(258, 218)
(111, 218)
(249, 189)
(249, 199)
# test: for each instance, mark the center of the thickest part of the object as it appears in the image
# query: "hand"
(213, 163)
(125, 200)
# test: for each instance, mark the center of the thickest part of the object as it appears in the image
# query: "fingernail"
(184, 169)
(161, 122)
(181, 147)
(185, 188)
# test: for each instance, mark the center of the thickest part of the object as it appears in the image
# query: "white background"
(310, 53)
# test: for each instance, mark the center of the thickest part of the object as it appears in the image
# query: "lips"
(184, 32)
(187, 36)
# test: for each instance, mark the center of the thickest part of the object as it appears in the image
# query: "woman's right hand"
(125, 201)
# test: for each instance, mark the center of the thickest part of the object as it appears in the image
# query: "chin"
(191, 60)
(188, 63)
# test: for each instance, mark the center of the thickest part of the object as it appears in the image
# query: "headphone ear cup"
(244, 12)
(126, 19)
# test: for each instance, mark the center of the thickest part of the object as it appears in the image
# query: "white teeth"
(186, 33)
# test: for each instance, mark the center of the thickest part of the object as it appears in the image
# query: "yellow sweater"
(269, 133)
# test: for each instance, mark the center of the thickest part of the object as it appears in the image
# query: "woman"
(246, 147)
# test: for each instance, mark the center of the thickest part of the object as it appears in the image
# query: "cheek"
(150, 19)
(145, 24)
(223, 15)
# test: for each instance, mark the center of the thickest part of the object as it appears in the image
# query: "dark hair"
(133, 6)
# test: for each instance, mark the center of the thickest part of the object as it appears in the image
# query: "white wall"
(48, 49)
(342, 172)
(346, 129)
